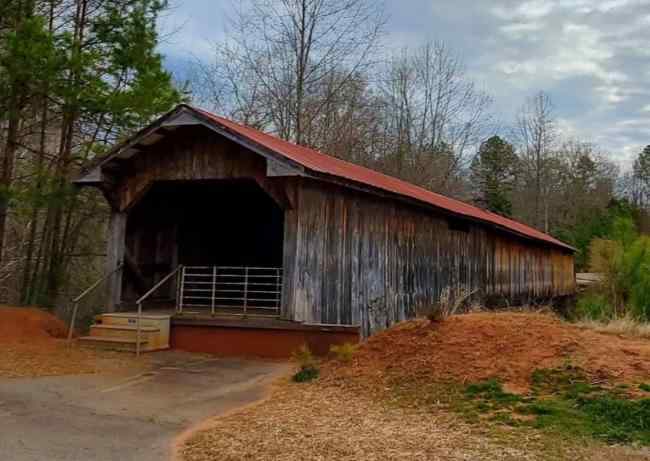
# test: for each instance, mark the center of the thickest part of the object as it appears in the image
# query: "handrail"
(85, 293)
(145, 296)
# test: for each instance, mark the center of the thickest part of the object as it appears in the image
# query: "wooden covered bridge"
(271, 243)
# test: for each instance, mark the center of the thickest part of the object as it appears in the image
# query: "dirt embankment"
(28, 325)
(507, 346)
(349, 413)
(32, 344)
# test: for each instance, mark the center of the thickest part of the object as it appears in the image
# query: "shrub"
(594, 306)
(307, 364)
(306, 374)
(343, 352)
(624, 263)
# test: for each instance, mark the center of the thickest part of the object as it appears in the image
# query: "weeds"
(306, 374)
(307, 364)
(344, 352)
(449, 303)
(627, 326)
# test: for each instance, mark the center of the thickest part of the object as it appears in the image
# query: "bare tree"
(434, 116)
(282, 53)
(536, 133)
(585, 183)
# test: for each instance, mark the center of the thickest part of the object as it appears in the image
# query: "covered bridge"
(258, 225)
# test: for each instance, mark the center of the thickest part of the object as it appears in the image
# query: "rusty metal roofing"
(328, 165)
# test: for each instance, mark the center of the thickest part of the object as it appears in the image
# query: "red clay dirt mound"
(509, 346)
(32, 344)
(27, 324)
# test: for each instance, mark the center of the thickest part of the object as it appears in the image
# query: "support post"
(138, 330)
(75, 307)
(116, 247)
(245, 290)
(214, 288)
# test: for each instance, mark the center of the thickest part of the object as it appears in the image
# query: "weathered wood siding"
(355, 258)
(191, 154)
(349, 257)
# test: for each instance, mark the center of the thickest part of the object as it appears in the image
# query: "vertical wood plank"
(116, 246)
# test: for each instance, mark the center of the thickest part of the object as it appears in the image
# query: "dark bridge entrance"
(228, 224)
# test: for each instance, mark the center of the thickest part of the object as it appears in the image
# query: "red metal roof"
(326, 164)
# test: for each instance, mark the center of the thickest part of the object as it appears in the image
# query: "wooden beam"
(276, 190)
(116, 247)
(132, 266)
(130, 202)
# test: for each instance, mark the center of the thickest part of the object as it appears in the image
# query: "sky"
(591, 56)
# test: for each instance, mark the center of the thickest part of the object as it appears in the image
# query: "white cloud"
(590, 55)
(532, 9)
(518, 29)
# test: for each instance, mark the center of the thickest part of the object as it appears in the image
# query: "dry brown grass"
(29, 361)
(321, 422)
(326, 422)
(625, 326)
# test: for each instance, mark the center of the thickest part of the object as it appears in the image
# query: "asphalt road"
(123, 418)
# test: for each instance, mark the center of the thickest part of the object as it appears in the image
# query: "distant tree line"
(78, 75)
(315, 72)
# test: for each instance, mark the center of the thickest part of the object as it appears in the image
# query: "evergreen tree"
(493, 175)
(75, 76)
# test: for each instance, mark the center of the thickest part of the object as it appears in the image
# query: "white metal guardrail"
(237, 289)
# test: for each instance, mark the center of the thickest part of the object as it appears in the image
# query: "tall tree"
(78, 74)
(493, 173)
(432, 114)
(641, 175)
(537, 135)
(281, 54)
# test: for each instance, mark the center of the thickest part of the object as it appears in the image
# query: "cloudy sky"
(591, 56)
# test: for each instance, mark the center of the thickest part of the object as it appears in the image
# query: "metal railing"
(86, 292)
(235, 288)
(143, 298)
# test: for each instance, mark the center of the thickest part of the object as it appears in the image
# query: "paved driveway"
(123, 418)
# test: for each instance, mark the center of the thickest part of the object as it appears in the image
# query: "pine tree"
(493, 174)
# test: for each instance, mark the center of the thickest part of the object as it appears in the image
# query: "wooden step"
(154, 328)
(130, 318)
(116, 344)
(125, 328)
(123, 332)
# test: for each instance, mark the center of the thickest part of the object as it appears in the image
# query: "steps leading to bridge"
(119, 332)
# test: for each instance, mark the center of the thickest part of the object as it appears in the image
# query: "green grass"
(564, 402)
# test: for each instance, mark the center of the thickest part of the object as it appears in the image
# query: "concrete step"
(114, 344)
